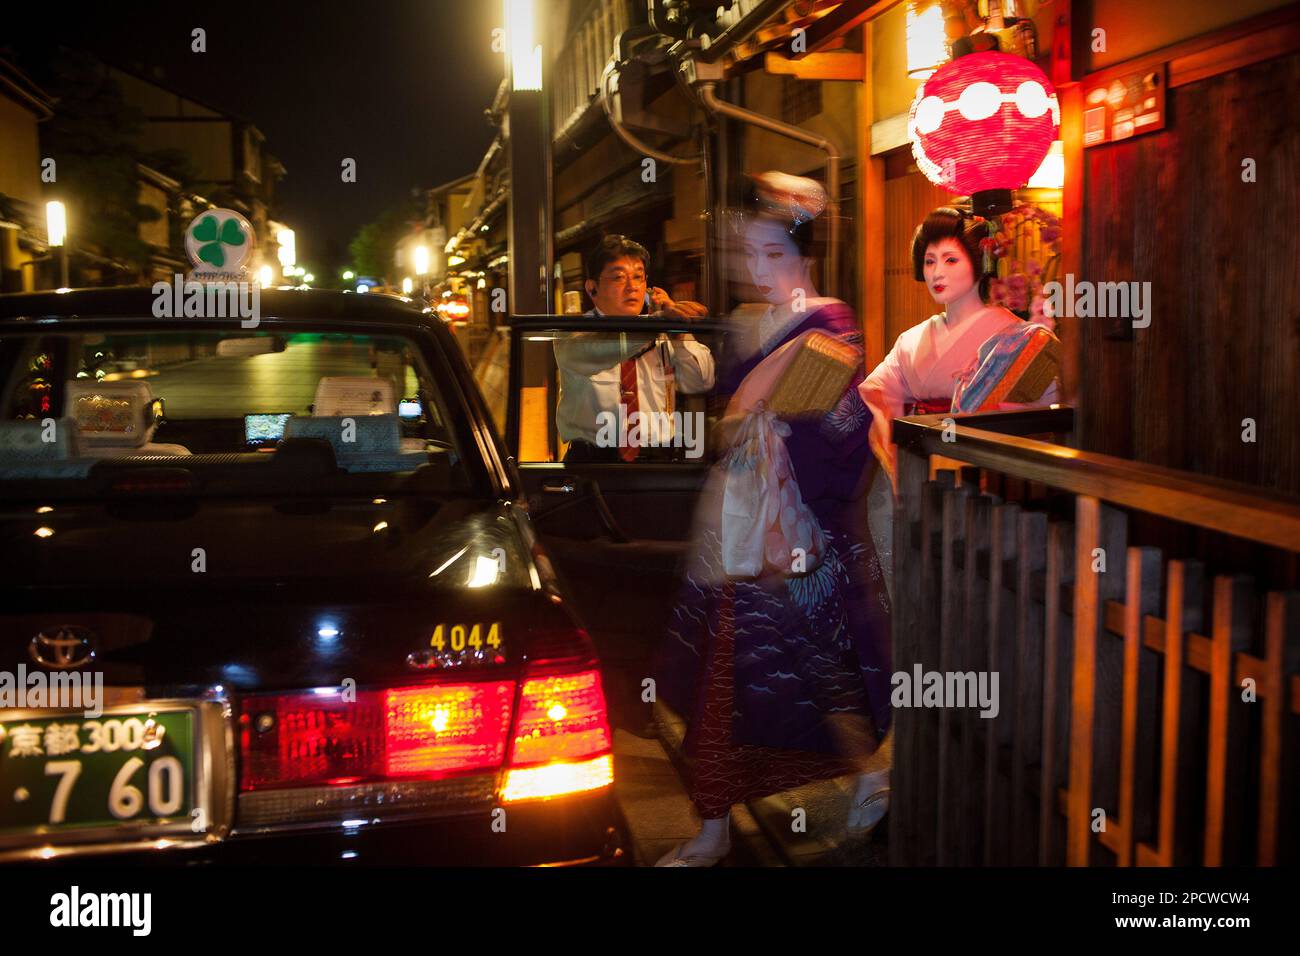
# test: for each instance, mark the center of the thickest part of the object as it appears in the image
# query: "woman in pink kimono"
(919, 373)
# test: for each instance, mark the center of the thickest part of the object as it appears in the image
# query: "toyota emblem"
(63, 648)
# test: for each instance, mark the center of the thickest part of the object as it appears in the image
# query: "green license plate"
(67, 772)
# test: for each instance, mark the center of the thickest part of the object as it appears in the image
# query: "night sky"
(398, 85)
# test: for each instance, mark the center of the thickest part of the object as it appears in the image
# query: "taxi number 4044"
(458, 637)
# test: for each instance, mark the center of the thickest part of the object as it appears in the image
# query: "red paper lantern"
(982, 125)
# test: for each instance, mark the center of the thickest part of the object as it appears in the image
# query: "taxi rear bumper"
(584, 830)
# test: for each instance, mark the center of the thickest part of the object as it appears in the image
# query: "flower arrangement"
(1024, 267)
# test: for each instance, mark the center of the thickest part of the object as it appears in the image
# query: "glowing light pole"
(530, 240)
(56, 228)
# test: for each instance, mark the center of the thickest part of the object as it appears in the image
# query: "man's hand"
(686, 309)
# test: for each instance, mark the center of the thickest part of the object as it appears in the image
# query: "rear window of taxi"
(71, 400)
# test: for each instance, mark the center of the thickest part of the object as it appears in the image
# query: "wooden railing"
(1137, 722)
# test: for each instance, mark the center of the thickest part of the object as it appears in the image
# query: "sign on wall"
(1123, 106)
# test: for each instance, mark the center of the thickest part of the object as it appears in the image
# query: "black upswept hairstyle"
(611, 248)
(948, 222)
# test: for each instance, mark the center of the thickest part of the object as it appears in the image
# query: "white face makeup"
(949, 274)
(773, 262)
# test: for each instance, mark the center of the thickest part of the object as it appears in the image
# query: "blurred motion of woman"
(777, 652)
(920, 372)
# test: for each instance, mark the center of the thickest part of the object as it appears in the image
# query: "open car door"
(617, 531)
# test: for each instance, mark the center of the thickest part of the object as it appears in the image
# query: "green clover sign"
(206, 232)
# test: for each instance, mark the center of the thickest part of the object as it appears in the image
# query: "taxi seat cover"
(26, 440)
(376, 446)
(26, 454)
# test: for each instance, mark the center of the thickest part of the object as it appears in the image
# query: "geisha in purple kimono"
(777, 651)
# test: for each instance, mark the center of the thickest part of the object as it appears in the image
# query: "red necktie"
(628, 394)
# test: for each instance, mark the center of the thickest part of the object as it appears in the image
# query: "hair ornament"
(792, 199)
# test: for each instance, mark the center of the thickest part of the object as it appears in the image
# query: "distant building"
(165, 234)
(226, 150)
(23, 105)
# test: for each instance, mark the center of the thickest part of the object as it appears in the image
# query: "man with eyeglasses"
(607, 377)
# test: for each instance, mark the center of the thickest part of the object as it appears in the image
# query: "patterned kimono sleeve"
(845, 425)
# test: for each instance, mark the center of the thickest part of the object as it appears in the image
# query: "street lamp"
(56, 228)
(525, 55)
(407, 286)
(421, 257)
(265, 276)
(530, 243)
(287, 252)
(348, 275)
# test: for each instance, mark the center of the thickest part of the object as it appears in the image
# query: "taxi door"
(617, 531)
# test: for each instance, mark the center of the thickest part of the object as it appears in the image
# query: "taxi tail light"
(562, 739)
(424, 732)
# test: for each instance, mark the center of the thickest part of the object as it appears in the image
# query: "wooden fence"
(1146, 715)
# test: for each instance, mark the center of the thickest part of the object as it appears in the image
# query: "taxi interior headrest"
(112, 413)
(353, 395)
(47, 439)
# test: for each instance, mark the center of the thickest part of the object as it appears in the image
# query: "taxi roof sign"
(219, 242)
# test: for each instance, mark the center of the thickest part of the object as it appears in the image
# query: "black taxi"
(269, 591)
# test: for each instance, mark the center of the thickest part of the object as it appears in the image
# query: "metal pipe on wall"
(632, 141)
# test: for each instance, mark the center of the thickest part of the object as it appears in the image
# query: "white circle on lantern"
(1031, 99)
(979, 101)
(929, 114)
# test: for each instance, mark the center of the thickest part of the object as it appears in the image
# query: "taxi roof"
(136, 302)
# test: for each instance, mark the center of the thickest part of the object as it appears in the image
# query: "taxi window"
(576, 402)
(206, 392)
(492, 375)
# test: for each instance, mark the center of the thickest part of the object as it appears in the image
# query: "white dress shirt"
(590, 382)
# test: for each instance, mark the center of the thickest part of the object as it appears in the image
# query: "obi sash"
(928, 406)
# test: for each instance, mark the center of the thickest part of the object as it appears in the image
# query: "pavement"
(659, 812)
(649, 775)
